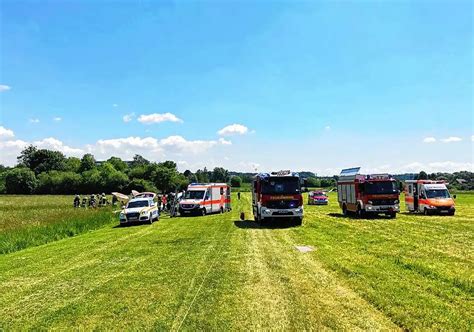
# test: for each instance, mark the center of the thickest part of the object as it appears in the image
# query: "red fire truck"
(277, 195)
(367, 194)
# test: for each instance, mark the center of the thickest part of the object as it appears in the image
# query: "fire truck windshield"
(281, 185)
(381, 187)
(437, 193)
(194, 194)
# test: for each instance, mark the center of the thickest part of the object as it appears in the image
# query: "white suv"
(139, 210)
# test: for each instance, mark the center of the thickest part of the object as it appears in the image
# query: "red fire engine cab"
(277, 195)
(367, 194)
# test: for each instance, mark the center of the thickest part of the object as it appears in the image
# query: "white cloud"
(4, 87)
(114, 105)
(158, 118)
(451, 139)
(429, 140)
(128, 117)
(472, 138)
(55, 144)
(126, 148)
(57, 119)
(233, 129)
(433, 167)
(6, 133)
(327, 128)
(34, 120)
(248, 166)
(224, 141)
(9, 150)
(180, 144)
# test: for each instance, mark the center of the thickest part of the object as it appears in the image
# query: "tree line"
(43, 171)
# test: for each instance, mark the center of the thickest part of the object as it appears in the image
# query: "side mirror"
(454, 196)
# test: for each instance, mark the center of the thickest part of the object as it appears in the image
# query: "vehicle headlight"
(396, 201)
(122, 215)
(369, 202)
(143, 212)
(432, 207)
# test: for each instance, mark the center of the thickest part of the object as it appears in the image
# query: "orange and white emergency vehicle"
(204, 198)
(367, 194)
(429, 197)
(277, 195)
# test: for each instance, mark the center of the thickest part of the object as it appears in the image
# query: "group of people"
(167, 202)
(90, 201)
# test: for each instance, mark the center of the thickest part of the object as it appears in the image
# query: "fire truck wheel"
(299, 221)
(392, 215)
(360, 212)
(426, 212)
(203, 212)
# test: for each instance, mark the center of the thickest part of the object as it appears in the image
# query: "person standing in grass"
(238, 195)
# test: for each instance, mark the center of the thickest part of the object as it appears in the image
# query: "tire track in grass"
(211, 256)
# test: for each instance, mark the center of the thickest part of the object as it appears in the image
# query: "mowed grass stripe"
(277, 284)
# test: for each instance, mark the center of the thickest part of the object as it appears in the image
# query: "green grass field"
(217, 272)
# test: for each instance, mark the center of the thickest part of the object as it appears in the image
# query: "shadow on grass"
(353, 216)
(135, 224)
(270, 224)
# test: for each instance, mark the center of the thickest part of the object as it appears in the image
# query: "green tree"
(42, 160)
(87, 163)
(202, 175)
(91, 181)
(73, 164)
(313, 182)
(219, 174)
(236, 181)
(139, 161)
(111, 179)
(26, 157)
(118, 164)
(169, 164)
(140, 185)
(20, 180)
(422, 176)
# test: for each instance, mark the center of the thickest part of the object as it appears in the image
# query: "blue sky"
(310, 85)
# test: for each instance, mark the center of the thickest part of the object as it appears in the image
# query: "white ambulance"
(205, 198)
(429, 197)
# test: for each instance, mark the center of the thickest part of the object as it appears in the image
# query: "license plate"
(283, 211)
(132, 219)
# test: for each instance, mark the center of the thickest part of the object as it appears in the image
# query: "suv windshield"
(194, 194)
(136, 204)
(437, 193)
(385, 187)
(286, 185)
